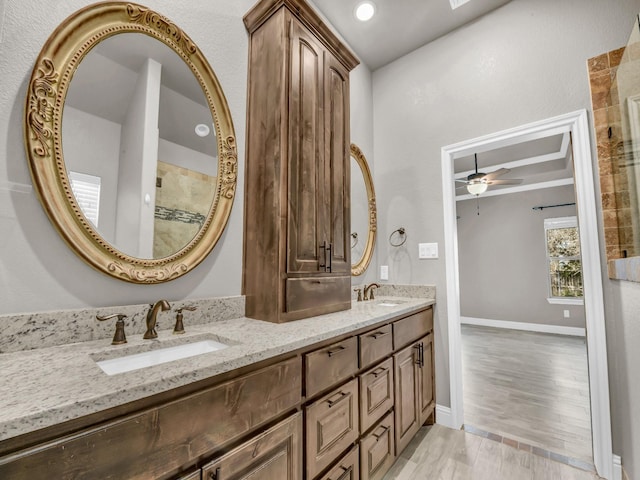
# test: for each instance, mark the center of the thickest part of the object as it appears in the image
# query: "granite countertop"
(47, 386)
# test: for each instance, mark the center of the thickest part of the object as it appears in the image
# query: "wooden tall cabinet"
(297, 190)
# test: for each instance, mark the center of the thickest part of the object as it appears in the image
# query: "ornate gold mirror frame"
(48, 87)
(362, 264)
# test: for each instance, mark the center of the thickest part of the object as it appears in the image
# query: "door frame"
(577, 124)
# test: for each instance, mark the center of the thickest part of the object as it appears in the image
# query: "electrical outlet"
(384, 272)
(567, 314)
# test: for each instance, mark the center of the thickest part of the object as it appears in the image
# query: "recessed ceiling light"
(202, 130)
(365, 11)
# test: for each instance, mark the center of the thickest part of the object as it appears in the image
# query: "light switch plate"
(427, 250)
(384, 272)
(567, 314)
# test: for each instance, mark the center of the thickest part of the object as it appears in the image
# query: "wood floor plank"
(528, 386)
(440, 453)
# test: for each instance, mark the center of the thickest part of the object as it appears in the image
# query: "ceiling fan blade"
(462, 180)
(497, 173)
(506, 181)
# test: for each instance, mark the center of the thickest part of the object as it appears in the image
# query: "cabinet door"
(426, 379)
(337, 166)
(273, 455)
(306, 237)
(407, 414)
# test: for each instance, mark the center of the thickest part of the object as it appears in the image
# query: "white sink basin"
(390, 303)
(135, 361)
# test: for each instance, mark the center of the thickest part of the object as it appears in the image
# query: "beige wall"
(524, 62)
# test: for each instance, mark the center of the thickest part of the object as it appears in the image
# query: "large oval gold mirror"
(363, 212)
(130, 142)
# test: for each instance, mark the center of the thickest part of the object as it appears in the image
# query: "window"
(86, 189)
(563, 260)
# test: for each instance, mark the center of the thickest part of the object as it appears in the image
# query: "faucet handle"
(359, 292)
(179, 327)
(119, 337)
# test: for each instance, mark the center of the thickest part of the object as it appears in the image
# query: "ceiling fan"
(478, 182)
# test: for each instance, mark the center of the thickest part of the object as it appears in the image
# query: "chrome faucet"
(152, 318)
(368, 291)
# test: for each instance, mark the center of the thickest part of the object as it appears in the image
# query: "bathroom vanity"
(334, 396)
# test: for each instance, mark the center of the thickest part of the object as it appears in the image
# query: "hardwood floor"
(528, 387)
(440, 453)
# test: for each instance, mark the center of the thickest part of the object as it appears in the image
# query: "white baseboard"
(617, 468)
(530, 327)
(443, 416)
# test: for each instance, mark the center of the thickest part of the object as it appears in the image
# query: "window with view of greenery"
(563, 257)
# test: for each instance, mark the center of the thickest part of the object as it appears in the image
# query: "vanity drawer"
(376, 450)
(376, 393)
(274, 454)
(332, 426)
(310, 293)
(330, 365)
(347, 469)
(375, 345)
(412, 327)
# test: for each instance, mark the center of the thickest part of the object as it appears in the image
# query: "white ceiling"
(399, 26)
(540, 161)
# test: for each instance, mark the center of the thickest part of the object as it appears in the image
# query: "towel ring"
(401, 233)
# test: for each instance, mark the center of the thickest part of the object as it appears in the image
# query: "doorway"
(576, 124)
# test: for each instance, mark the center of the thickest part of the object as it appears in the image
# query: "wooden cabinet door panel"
(273, 455)
(337, 165)
(332, 425)
(406, 406)
(426, 397)
(376, 394)
(377, 450)
(305, 166)
(348, 468)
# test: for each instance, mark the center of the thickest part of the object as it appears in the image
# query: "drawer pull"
(385, 429)
(341, 396)
(346, 474)
(215, 475)
(377, 335)
(333, 351)
(379, 371)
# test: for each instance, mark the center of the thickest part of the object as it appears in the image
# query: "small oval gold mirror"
(130, 142)
(363, 212)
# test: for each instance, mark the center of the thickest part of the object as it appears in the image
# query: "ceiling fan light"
(477, 188)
